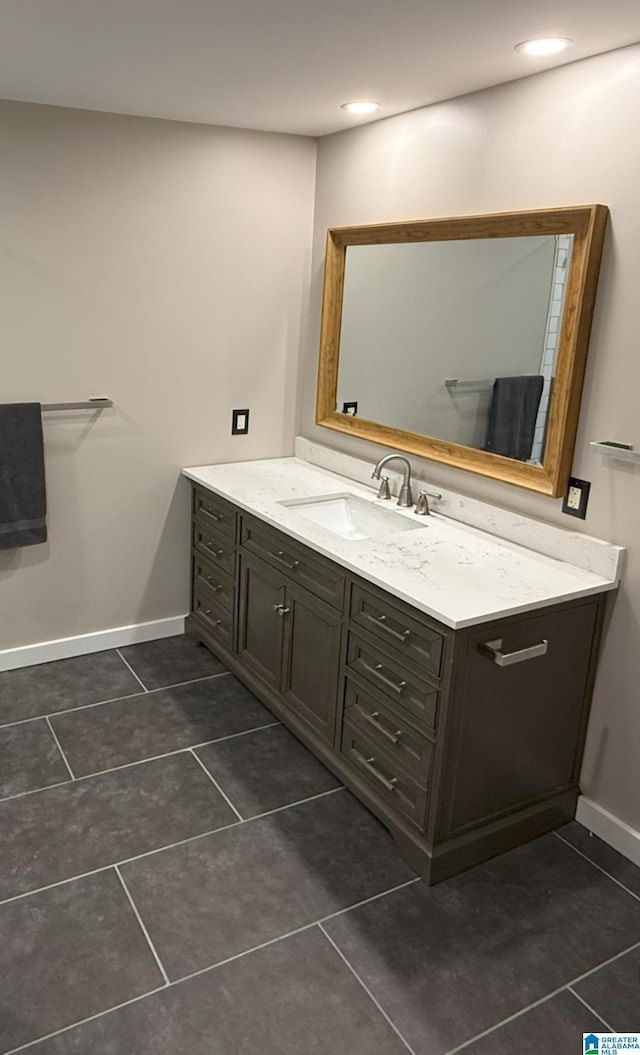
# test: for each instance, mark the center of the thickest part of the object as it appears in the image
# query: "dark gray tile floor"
(29, 758)
(197, 882)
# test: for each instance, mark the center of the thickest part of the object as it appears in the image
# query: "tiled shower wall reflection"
(552, 336)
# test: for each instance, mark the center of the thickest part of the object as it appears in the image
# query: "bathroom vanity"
(442, 673)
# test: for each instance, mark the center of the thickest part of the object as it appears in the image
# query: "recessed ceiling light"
(544, 46)
(360, 108)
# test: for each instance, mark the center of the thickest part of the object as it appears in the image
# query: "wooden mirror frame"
(587, 224)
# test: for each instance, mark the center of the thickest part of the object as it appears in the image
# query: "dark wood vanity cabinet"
(465, 743)
(291, 641)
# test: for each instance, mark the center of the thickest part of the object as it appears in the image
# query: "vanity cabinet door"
(262, 620)
(311, 661)
(519, 724)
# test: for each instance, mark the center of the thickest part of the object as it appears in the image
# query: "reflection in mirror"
(477, 323)
(463, 339)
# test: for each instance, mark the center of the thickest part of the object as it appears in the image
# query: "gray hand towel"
(23, 503)
(512, 415)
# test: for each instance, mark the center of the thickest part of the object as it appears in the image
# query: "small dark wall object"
(350, 408)
(23, 504)
(240, 423)
(575, 501)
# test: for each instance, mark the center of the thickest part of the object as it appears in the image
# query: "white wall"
(561, 138)
(165, 265)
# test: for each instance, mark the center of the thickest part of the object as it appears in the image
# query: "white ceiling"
(284, 65)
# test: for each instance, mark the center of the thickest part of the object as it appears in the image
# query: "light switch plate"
(240, 422)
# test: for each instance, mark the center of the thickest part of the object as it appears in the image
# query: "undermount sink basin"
(352, 517)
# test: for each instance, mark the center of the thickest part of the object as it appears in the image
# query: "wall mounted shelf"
(620, 451)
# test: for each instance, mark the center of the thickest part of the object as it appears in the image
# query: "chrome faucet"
(404, 498)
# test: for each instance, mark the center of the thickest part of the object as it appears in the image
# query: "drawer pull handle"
(216, 552)
(279, 556)
(281, 610)
(214, 515)
(214, 589)
(369, 764)
(208, 612)
(396, 686)
(493, 649)
(381, 620)
(374, 719)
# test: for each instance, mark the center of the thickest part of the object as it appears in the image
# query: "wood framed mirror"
(463, 340)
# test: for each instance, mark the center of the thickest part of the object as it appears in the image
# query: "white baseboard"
(622, 837)
(83, 644)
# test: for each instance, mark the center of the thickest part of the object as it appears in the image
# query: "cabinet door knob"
(281, 610)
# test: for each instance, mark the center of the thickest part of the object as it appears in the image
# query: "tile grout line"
(142, 926)
(605, 963)
(160, 849)
(591, 1009)
(211, 967)
(215, 784)
(600, 869)
(503, 1021)
(59, 746)
(366, 989)
(548, 996)
(127, 664)
(113, 699)
(83, 1021)
(292, 933)
(137, 762)
(298, 802)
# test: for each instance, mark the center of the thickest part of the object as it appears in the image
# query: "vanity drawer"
(406, 690)
(214, 580)
(214, 512)
(218, 620)
(384, 776)
(218, 549)
(387, 729)
(321, 577)
(392, 625)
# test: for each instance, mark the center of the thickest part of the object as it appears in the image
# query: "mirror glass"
(463, 339)
(427, 329)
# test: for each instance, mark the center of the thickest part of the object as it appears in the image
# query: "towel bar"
(88, 404)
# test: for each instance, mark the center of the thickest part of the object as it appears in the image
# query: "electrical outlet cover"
(575, 501)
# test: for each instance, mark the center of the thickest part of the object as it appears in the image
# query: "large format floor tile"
(32, 691)
(171, 661)
(29, 758)
(157, 722)
(223, 894)
(293, 998)
(265, 770)
(450, 961)
(614, 992)
(68, 953)
(78, 827)
(555, 1025)
(604, 856)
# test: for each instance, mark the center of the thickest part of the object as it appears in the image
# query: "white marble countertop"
(458, 574)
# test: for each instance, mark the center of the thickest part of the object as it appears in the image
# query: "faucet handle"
(384, 490)
(422, 505)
